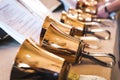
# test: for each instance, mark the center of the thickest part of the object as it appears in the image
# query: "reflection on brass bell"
(71, 20)
(79, 15)
(74, 12)
(86, 27)
(57, 41)
(77, 21)
(54, 41)
(87, 6)
(88, 18)
(64, 27)
(35, 63)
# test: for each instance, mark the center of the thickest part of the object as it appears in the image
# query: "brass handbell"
(72, 19)
(60, 43)
(92, 42)
(89, 6)
(88, 18)
(80, 15)
(87, 29)
(35, 63)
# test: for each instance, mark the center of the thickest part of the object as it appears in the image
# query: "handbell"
(60, 43)
(71, 21)
(87, 6)
(86, 27)
(86, 17)
(80, 15)
(35, 63)
(80, 19)
(70, 30)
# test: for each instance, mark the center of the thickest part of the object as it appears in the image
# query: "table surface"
(8, 51)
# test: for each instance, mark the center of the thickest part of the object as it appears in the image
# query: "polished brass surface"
(56, 41)
(70, 20)
(90, 28)
(48, 20)
(64, 27)
(77, 21)
(72, 50)
(76, 16)
(87, 6)
(80, 15)
(31, 56)
(74, 11)
(88, 18)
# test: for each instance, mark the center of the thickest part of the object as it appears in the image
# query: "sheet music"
(36, 7)
(18, 22)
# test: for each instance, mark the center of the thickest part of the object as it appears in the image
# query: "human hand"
(101, 12)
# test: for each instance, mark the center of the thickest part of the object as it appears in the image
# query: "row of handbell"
(62, 44)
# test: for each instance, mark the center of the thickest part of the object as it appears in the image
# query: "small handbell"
(86, 17)
(80, 15)
(89, 7)
(73, 20)
(86, 27)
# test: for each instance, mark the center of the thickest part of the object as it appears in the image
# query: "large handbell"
(35, 63)
(60, 43)
(86, 27)
(70, 30)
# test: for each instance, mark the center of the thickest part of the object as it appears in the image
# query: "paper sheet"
(18, 22)
(36, 7)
